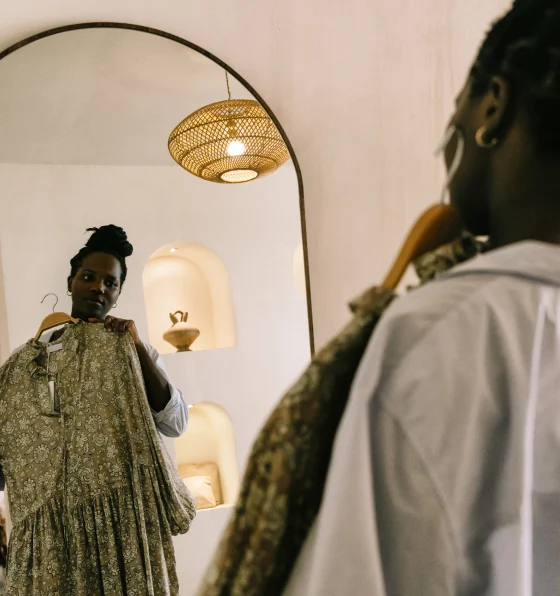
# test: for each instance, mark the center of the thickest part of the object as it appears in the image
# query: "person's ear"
(494, 109)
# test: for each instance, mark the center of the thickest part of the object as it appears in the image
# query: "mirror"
(86, 116)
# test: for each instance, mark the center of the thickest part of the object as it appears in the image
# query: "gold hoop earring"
(481, 140)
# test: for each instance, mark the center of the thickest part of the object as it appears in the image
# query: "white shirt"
(445, 473)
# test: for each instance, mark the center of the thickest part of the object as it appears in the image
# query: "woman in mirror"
(97, 276)
(94, 497)
(96, 280)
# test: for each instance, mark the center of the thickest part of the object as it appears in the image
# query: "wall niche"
(192, 278)
(208, 449)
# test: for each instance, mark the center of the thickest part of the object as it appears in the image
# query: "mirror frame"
(151, 31)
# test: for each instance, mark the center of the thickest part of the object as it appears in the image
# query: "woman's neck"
(525, 221)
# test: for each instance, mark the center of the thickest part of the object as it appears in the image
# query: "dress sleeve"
(173, 420)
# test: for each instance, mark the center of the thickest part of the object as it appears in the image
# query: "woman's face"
(96, 287)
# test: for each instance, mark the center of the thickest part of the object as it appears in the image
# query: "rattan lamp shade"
(229, 142)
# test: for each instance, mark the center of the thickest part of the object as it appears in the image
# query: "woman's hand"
(120, 326)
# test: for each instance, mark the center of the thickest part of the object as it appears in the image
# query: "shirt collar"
(534, 261)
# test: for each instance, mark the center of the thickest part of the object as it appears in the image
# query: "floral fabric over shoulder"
(94, 496)
(285, 476)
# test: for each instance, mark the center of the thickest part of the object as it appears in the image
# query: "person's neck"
(524, 222)
(530, 214)
(526, 203)
(76, 315)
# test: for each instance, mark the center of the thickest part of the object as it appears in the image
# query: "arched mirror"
(88, 114)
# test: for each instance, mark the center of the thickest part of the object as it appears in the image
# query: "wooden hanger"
(53, 320)
(437, 226)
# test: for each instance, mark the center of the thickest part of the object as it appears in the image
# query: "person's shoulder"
(427, 304)
(452, 305)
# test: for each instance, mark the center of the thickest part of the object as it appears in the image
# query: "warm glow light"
(236, 148)
(173, 250)
(190, 406)
(234, 176)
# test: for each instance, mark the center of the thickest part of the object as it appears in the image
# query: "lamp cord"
(227, 83)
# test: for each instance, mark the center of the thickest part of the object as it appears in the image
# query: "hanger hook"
(51, 294)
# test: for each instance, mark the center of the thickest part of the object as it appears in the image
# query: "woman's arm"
(172, 421)
(157, 385)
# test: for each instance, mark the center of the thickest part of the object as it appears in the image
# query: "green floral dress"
(285, 477)
(94, 496)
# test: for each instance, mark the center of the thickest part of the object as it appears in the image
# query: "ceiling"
(102, 97)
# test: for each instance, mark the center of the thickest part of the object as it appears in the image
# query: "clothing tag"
(51, 394)
(55, 348)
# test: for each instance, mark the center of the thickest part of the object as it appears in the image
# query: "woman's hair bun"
(110, 238)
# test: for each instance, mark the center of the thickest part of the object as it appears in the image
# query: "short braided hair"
(524, 47)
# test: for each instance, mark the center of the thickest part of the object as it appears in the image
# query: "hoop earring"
(482, 142)
(68, 293)
(115, 305)
(457, 158)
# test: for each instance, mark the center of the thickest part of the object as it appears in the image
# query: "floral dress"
(94, 496)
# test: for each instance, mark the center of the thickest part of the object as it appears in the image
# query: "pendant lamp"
(229, 142)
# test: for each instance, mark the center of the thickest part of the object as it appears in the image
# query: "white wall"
(362, 88)
(4, 335)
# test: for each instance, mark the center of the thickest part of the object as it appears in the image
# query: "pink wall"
(362, 88)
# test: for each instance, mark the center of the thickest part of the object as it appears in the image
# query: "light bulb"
(236, 148)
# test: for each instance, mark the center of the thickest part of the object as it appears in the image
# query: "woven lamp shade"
(229, 142)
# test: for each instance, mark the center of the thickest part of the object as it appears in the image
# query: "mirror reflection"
(140, 357)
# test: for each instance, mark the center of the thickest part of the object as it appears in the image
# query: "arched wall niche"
(192, 278)
(210, 440)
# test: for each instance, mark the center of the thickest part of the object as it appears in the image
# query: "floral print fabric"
(285, 477)
(94, 496)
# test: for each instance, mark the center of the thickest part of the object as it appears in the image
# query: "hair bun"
(110, 238)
